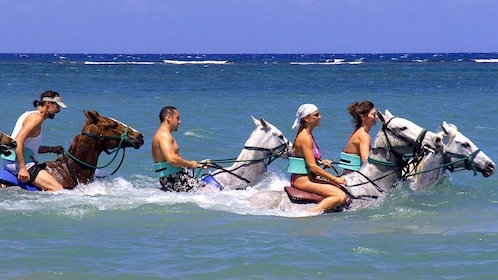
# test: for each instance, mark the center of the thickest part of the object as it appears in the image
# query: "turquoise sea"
(124, 227)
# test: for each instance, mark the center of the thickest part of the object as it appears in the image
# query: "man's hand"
(205, 163)
(23, 175)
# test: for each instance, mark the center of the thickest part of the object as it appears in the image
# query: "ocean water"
(124, 227)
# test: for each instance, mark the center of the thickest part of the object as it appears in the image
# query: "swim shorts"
(180, 182)
(34, 170)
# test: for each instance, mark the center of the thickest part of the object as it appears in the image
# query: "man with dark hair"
(169, 165)
(28, 135)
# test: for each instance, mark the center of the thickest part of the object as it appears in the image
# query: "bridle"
(468, 160)
(400, 162)
(123, 140)
(451, 165)
(271, 155)
(416, 145)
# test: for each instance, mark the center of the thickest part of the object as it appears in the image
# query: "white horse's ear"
(445, 127)
(382, 118)
(263, 123)
(388, 114)
(256, 121)
(449, 129)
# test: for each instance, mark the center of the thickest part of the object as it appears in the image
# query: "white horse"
(264, 145)
(376, 178)
(458, 153)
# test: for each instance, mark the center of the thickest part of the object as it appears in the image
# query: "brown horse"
(7, 144)
(99, 134)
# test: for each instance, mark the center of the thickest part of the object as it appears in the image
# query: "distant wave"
(487, 60)
(203, 62)
(119, 62)
(337, 61)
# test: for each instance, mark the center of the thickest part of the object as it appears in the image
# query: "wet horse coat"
(265, 144)
(458, 153)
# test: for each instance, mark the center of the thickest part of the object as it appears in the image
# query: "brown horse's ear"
(92, 116)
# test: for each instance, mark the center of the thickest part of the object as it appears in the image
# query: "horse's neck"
(428, 172)
(374, 176)
(247, 166)
(85, 153)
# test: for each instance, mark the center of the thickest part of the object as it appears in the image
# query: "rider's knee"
(47, 182)
(342, 196)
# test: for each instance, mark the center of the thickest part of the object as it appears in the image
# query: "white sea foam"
(202, 62)
(121, 194)
(487, 60)
(119, 63)
(337, 61)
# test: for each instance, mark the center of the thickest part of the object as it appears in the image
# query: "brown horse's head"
(113, 133)
(6, 144)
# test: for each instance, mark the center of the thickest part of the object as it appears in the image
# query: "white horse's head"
(404, 136)
(266, 137)
(458, 149)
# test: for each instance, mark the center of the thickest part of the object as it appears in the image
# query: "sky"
(248, 26)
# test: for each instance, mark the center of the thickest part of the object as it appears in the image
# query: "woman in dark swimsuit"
(318, 180)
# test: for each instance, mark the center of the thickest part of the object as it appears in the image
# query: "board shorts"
(32, 167)
(180, 182)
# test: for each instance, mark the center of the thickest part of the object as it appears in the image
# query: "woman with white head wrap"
(315, 179)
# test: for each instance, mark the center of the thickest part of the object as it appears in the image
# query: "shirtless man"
(169, 164)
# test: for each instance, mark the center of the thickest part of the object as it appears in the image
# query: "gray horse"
(265, 144)
(458, 153)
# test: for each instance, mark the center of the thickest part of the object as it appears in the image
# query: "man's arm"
(29, 125)
(169, 149)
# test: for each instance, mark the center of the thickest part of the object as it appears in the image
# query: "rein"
(468, 160)
(271, 157)
(417, 149)
(123, 139)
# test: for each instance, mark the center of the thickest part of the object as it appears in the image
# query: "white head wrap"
(303, 111)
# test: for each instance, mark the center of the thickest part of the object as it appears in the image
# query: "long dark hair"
(356, 110)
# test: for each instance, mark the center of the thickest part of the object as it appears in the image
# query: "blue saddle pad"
(9, 179)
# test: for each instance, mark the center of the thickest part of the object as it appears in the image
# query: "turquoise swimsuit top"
(350, 161)
(163, 169)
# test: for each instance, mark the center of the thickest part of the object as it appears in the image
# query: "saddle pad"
(302, 197)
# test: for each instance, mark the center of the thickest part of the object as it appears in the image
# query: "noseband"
(468, 160)
(123, 139)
